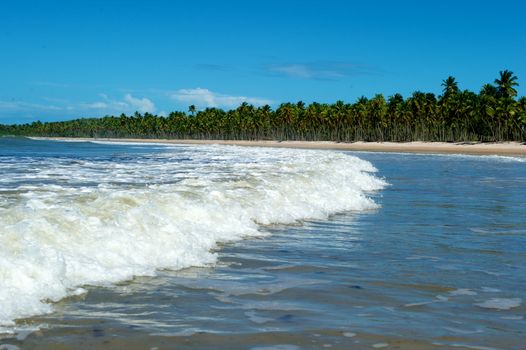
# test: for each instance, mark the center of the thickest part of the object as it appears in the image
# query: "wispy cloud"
(105, 105)
(14, 111)
(129, 103)
(206, 98)
(321, 70)
(298, 71)
(16, 106)
(95, 105)
(143, 105)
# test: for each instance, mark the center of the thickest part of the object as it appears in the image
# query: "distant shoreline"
(501, 148)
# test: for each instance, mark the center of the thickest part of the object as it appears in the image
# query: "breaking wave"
(73, 221)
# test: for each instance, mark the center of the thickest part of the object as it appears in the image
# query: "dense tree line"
(494, 114)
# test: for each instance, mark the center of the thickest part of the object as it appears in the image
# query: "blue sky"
(67, 59)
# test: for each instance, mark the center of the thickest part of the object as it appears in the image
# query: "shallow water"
(438, 263)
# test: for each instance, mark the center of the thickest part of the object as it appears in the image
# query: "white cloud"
(95, 105)
(323, 70)
(25, 106)
(206, 98)
(143, 105)
(105, 105)
(295, 70)
(128, 104)
(21, 112)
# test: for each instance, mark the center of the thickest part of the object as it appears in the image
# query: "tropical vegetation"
(496, 113)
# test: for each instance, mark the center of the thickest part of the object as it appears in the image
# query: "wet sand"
(111, 338)
(477, 148)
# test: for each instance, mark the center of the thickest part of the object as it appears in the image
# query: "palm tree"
(496, 113)
(488, 90)
(301, 105)
(521, 104)
(505, 84)
(450, 86)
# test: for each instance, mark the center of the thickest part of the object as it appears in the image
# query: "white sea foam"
(504, 159)
(277, 347)
(8, 347)
(515, 318)
(477, 157)
(462, 291)
(490, 158)
(68, 223)
(501, 303)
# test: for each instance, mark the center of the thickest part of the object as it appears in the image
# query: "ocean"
(153, 246)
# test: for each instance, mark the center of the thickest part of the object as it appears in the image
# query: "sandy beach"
(502, 148)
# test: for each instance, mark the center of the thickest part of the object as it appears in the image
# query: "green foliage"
(495, 114)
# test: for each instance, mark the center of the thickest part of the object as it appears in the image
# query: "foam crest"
(96, 221)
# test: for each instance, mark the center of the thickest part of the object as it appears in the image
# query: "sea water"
(144, 246)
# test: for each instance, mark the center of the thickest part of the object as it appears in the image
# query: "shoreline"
(476, 148)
